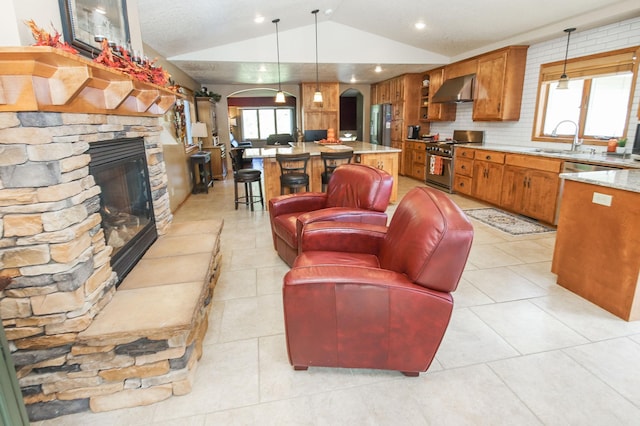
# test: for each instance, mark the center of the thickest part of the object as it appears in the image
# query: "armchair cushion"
(355, 194)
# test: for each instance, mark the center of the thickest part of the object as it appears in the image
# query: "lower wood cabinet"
(521, 183)
(387, 162)
(415, 160)
(532, 193)
(487, 176)
(530, 186)
(218, 161)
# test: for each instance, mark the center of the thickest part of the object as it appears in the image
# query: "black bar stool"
(293, 171)
(331, 160)
(247, 177)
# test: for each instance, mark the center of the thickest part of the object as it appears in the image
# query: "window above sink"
(598, 98)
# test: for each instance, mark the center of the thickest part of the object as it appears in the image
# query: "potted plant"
(204, 92)
(622, 143)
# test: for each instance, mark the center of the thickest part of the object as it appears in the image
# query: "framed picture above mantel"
(85, 23)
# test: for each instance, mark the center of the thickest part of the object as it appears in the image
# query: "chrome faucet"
(576, 142)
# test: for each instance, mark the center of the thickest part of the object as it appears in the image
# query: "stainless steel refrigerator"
(380, 130)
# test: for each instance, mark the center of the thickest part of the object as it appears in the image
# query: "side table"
(202, 172)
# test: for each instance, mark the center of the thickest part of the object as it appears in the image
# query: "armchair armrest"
(341, 214)
(301, 202)
(342, 237)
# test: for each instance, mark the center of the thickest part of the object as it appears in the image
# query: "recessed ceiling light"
(420, 25)
(353, 79)
(258, 19)
(378, 68)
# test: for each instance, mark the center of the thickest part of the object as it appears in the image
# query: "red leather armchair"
(356, 193)
(366, 296)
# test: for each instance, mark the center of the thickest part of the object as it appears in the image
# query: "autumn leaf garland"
(147, 71)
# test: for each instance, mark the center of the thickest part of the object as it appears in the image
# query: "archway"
(352, 113)
(260, 99)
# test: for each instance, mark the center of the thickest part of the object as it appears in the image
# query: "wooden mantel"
(39, 78)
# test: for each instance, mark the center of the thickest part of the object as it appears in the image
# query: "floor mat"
(507, 222)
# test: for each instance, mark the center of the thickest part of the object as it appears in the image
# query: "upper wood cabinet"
(499, 82)
(438, 112)
(458, 69)
(403, 93)
(325, 115)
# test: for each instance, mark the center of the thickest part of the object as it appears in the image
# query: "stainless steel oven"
(441, 157)
(439, 171)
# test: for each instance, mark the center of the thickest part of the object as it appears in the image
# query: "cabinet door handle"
(463, 167)
(488, 157)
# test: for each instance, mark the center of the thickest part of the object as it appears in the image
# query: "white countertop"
(626, 180)
(601, 158)
(315, 149)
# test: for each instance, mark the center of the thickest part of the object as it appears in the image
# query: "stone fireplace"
(58, 299)
(119, 167)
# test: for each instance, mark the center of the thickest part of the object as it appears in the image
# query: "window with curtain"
(259, 123)
(598, 99)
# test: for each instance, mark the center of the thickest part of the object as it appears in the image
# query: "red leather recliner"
(356, 193)
(366, 296)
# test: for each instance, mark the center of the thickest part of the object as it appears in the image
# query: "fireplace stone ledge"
(144, 345)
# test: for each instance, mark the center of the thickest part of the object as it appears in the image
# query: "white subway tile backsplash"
(609, 37)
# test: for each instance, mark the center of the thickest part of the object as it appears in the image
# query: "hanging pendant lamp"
(317, 96)
(280, 94)
(563, 83)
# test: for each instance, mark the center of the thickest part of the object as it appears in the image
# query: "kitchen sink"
(554, 151)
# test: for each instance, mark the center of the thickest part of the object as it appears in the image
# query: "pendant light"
(280, 95)
(563, 83)
(317, 96)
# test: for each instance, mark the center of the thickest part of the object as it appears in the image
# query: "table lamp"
(199, 130)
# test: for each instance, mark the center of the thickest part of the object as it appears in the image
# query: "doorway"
(352, 113)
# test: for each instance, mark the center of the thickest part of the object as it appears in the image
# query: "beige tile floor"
(519, 350)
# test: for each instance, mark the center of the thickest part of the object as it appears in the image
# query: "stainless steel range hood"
(454, 90)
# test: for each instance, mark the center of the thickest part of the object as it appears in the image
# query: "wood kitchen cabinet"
(530, 186)
(218, 161)
(463, 170)
(325, 115)
(415, 156)
(401, 159)
(499, 82)
(596, 252)
(380, 93)
(460, 68)
(387, 162)
(206, 113)
(438, 112)
(487, 176)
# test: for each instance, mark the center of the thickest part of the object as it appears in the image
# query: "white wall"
(602, 39)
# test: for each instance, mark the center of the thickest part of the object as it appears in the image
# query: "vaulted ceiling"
(219, 42)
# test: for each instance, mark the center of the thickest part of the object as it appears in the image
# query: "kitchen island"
(597, 254)
(382, 157)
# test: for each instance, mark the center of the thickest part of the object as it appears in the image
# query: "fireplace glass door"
(119, 167)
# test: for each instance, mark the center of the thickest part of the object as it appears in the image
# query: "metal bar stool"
(247, 177)
(293, 171)
(331, 160)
